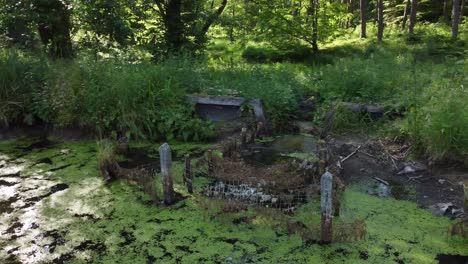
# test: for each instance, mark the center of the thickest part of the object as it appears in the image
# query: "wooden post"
(148, 186)
(243, 137)
(209, 160)
(166, 171)
(259, 130)
(322, 155)
(188, 174)
(465, 189)
(326, 185)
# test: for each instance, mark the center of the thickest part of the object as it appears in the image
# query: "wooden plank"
(256, 104)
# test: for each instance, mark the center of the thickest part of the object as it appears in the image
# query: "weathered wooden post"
(166, 171)
(243, 136)
(326, 185)
(258, 129)
(465, 189)
(253, 135)
(209, 160)
(322, 155)
(188, 174)
(149, 186)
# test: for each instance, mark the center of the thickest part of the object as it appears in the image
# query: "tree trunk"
(201, 35)
(462, 10)
(231, 27)
(314, 4)
(445, 14)
(363, 18)
(455, 18)
(414, 10)
(380, 18)
(405, 14)
(174, 25)
(54, 28)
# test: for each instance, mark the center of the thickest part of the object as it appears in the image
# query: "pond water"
(270, 152)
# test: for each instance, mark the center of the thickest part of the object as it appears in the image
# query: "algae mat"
(54, 208)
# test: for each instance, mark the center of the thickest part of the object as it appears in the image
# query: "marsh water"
(54, 208)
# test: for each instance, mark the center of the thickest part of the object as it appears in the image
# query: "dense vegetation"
(126, 65)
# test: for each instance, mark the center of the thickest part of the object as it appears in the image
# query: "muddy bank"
(427, 187)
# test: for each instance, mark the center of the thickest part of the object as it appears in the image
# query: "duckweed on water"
(117, 222)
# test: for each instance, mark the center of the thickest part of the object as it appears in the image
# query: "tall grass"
(19, 76)
(147, 99)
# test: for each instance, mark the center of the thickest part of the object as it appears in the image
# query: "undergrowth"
(421, 77)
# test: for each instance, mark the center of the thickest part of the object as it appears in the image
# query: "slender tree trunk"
(314, 5)
(445, 10)
(174, 25)
(405, 14)
(200, 37)
(380, 18)
(363, 18)
(414, 10)
(462, 10)
(455, 18)
(231, 28)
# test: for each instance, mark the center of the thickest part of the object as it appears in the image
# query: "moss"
(265, 139)
(310, 157)
(120, 217)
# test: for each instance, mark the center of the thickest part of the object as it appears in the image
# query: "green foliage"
(437, 124)
(290, 23)
(105, 151)
(20, 76)
(265, 53)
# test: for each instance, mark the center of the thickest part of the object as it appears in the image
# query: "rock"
(229, 259)
(446, 209)
(353, 107)
(441, 181)
(375, 111)
(384, 191)
(64, 152)
(305, 126)
(411, 167)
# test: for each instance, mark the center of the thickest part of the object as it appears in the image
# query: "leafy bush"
(264, 54)
(438, 124)
(19, 77)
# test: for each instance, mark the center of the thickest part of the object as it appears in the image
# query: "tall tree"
(363, 18)
(455, 18)
(462, 10)
(405, 14)
(185, 20)
(414, 10)
(53, 21)
(314, 8)
(380, 19)
(445, 9)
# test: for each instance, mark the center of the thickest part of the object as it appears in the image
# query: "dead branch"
(382, 181)
(350, 155)
(389, 155)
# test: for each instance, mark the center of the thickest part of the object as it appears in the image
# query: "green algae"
(133, 230)
(310, 157)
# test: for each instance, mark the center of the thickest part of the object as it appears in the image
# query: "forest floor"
(54, 208)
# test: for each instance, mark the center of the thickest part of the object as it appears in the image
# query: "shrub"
(20, 76)
(438, 123)
(265, 53)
